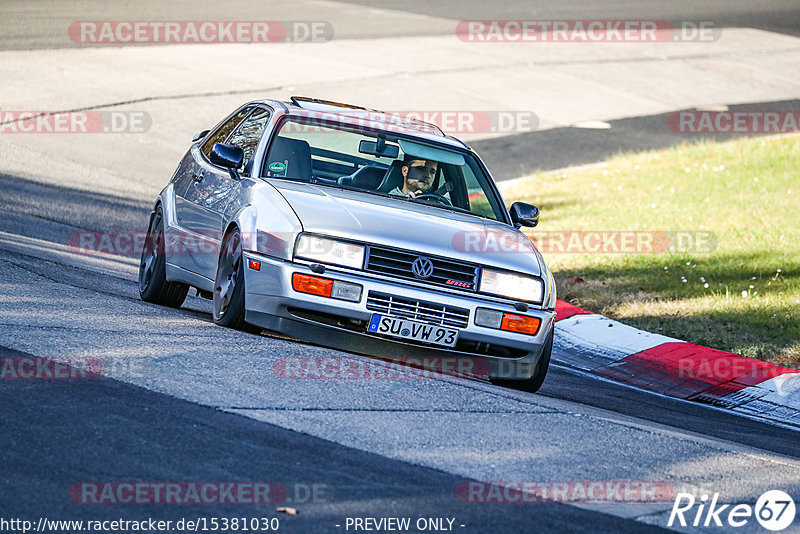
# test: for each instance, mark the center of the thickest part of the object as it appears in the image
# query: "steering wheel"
(435, 197)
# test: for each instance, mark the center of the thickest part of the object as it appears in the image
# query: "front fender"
(265, 219)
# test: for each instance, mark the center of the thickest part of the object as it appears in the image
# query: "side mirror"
(523, 214)
(228, 156)
(199, 136)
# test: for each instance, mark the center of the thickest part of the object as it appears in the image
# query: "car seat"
(367, 177)
(294, 154)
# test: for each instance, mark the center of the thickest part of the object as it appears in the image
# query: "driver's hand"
(413, 194)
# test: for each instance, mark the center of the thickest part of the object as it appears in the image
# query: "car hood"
(403, 224)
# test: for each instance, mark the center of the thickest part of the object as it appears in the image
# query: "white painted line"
(777, 398)
(592, 125)
(752, 417)
(117, 266)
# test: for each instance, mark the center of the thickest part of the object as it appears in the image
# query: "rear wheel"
(228, 294)
(153, 284)
(532, 384)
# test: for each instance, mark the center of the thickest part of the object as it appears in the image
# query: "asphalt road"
(393, 58)
(59, 433)
(185, 401)
(780, 16)
(28, 25)
(197, 402)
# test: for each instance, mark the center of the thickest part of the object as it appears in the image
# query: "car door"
(211, 193)
(195, 190)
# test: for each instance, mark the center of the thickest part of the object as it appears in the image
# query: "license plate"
(412, 330)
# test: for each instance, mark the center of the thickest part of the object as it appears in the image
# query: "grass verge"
(730, 277)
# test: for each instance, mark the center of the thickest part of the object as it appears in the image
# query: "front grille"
(417, 310)
(446, 272)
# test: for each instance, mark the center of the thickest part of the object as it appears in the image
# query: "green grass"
(746, 192)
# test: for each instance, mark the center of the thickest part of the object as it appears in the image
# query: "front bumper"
(272, 303)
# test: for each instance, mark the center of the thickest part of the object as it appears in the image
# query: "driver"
(418, 176)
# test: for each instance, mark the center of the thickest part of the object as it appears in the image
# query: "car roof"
(351, 115)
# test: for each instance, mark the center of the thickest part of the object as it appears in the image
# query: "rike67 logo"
(774, 510)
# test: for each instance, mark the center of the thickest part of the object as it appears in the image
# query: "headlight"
(513, 286)
(331, 251)
(551, 283)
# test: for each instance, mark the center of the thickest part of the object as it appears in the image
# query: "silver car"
(354, 229)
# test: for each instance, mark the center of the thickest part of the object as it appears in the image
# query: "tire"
(534, 383)
(228, 294)
(153, 284)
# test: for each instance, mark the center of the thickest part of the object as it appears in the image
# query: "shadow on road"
(523, 154)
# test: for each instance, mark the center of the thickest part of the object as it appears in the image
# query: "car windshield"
(380, 163)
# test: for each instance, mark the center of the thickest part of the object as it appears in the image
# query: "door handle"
(197, 178)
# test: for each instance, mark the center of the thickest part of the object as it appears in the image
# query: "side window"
(224, 131)
(248, 134)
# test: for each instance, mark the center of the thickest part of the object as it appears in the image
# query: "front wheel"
(534, 383)
(153, 284)
(228, 294)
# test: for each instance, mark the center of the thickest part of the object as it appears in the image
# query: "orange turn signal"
(313, 285)
(522, 324)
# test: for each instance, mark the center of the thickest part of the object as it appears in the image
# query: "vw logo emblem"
(422, 267)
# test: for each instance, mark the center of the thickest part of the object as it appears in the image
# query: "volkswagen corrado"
(354, 229)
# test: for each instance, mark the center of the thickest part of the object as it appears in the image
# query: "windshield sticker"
(277, 166)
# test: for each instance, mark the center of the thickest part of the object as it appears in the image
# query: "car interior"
(376, 168)
(296, 157)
